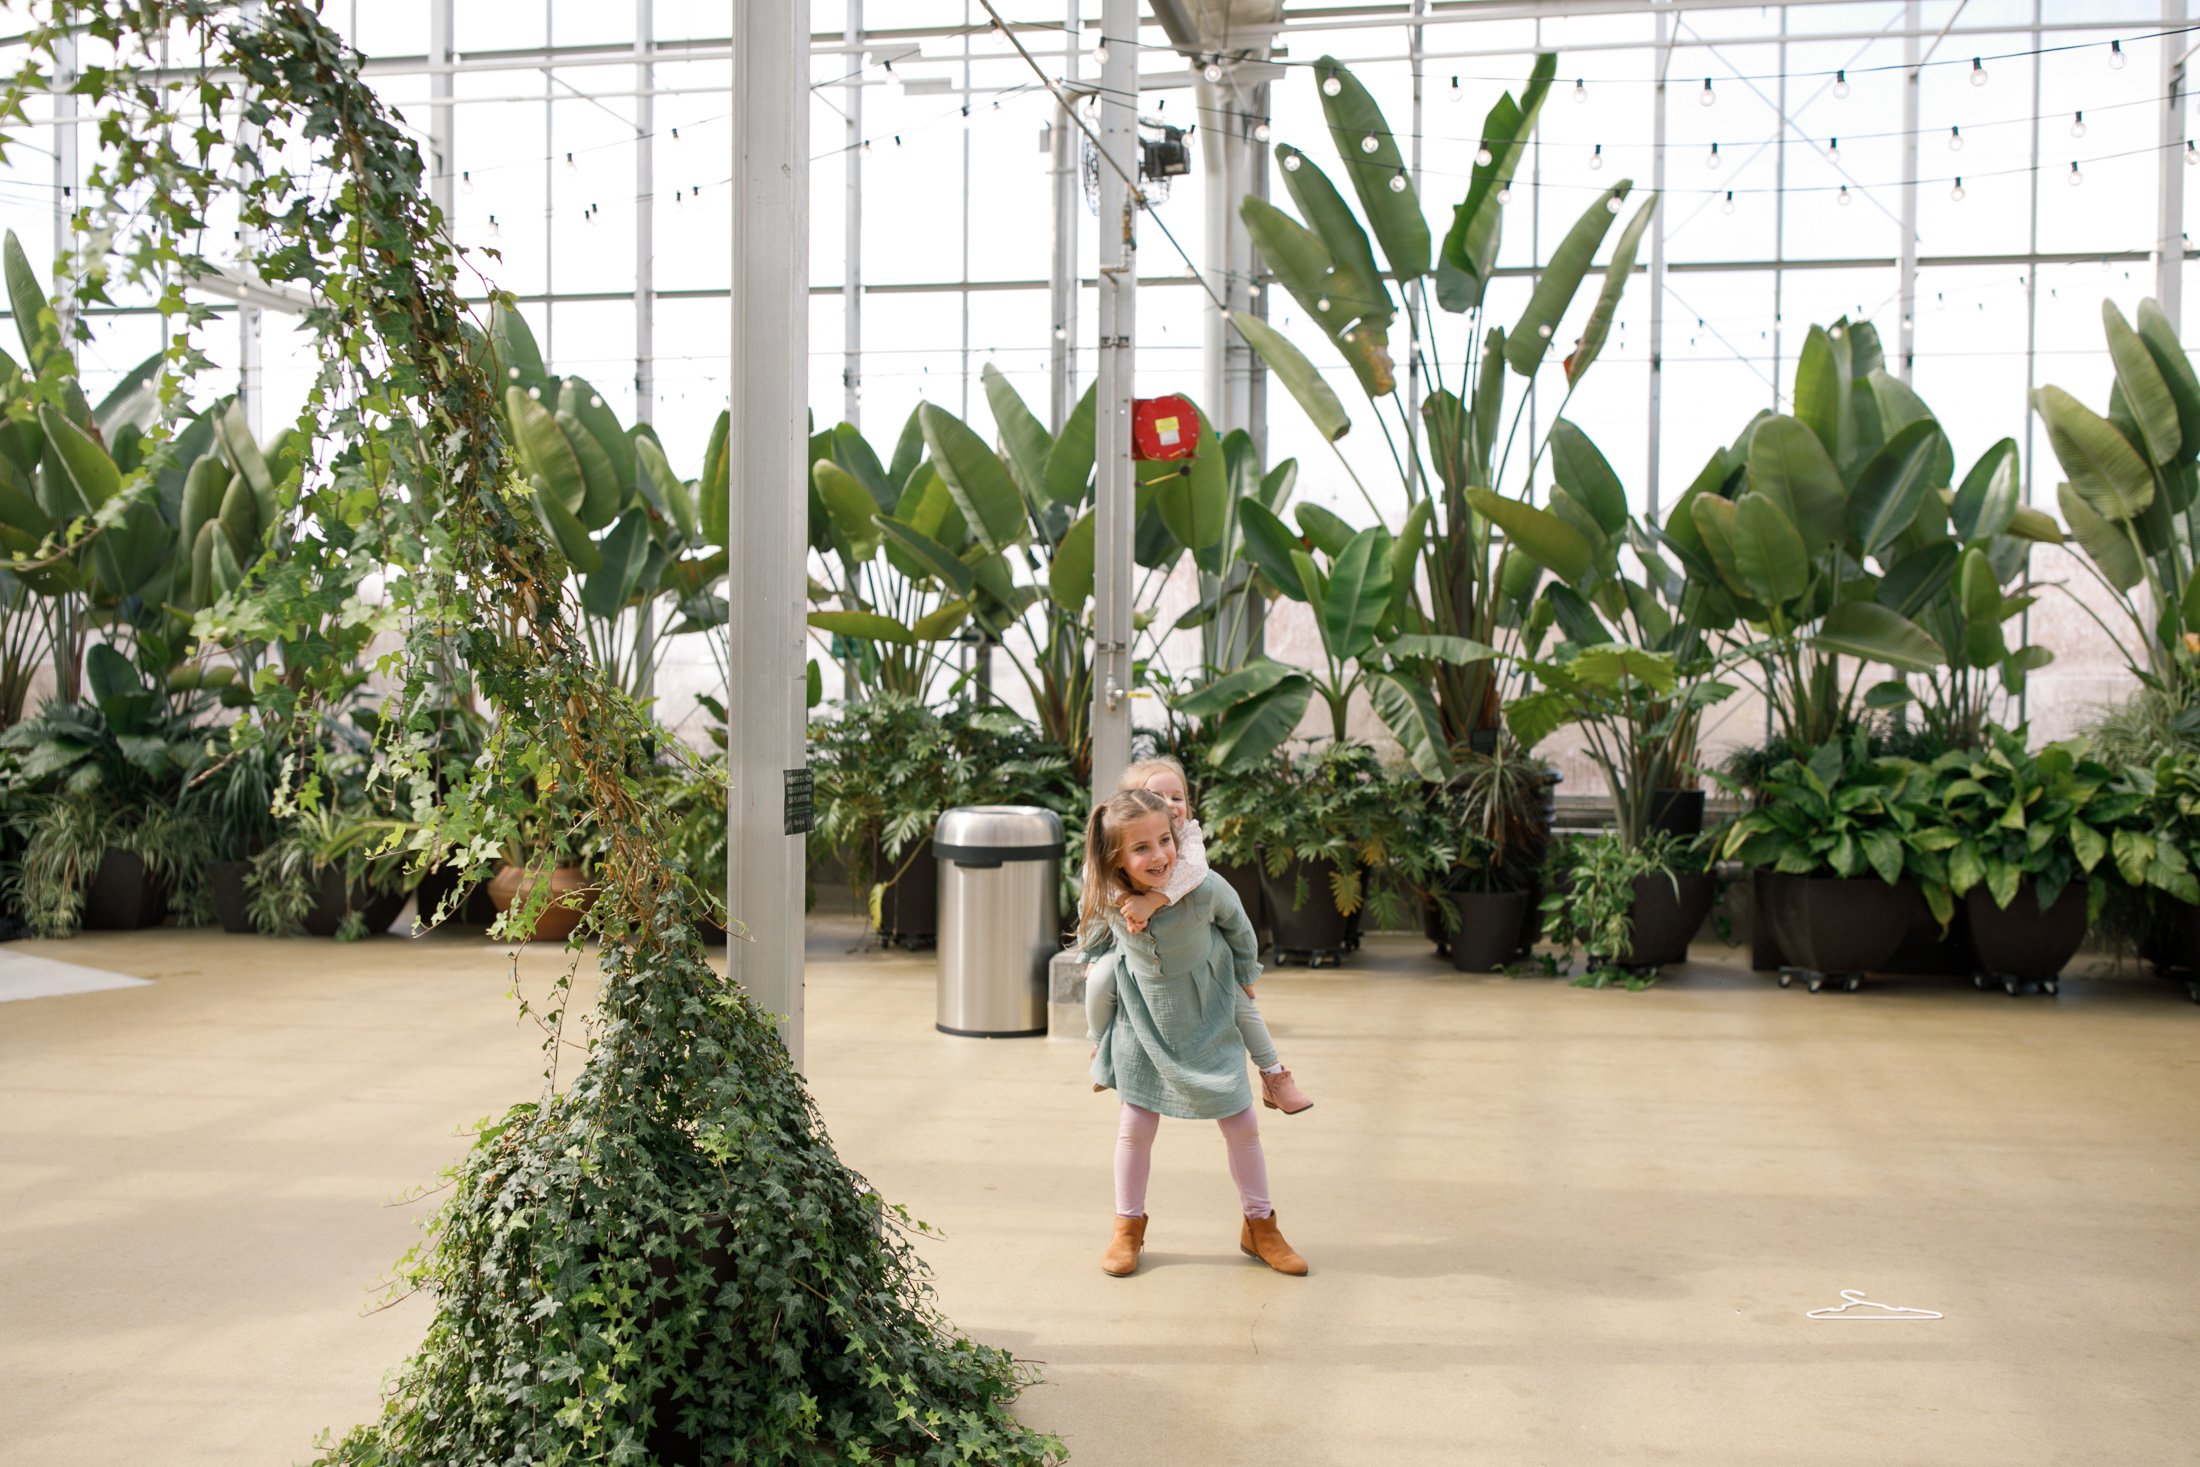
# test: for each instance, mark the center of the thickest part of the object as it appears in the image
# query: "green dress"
(1174, 1047)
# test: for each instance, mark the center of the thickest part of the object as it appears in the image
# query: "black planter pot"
(1317, 929)
(1244, 879)
(1666, 915)
(377, 909)
(1834, 924)
(909, 907)
(1489, 929)
(1764, 942)
(231, 900)
(1924, 951)
(2020, 940)
(123, 896)
(1677, 812)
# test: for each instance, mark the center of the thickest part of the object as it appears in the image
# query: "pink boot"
(1280, 1092)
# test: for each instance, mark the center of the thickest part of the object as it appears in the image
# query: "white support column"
(2169, 257)
(1906, 282)
(1116, 518)
(1663, 61)
(851, 268)
(645, 212)
(1062, 282)
(251, 374)
(66, 179)
(442, 114)
(769, 437)
(1230, 154)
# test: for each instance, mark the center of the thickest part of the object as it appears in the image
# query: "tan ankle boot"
(1121, 1259)
(1261, 1240)
(1280, 1092)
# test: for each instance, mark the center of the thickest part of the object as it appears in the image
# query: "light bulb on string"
(2192, 154)
(1843, 200)
(1711, 160)
(1728, 206)
(1321, 303)
(2077, 124)
(1212, 71)
(1581, 91)
(1456, 95)
(1840, 84)
(965, 120)
(2115, 55)
(1956, 193)
(1504, 194)
(2074, 177)
(1370, 143)
(1290, 162)
(1261, 132)
(1611, 205)
(1398, 182)
(1833, 150)
(676, 134)
(1596, 159)
(494, 231)
(1706, 97)
(1331, 86)
(466, 182)
(570, 165)
(1099, 54)
(1482, 156)
(1978, 72)
(1955, 139)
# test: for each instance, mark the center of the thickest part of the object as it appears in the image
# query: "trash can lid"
(999, 828)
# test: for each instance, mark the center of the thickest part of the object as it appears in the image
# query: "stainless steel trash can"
(1000, 918)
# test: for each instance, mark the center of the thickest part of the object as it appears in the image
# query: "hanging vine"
(665, 1260)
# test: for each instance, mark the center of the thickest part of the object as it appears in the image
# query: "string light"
(1212, 71)
(1956, 193)
(1955, 139)
(1843, 201)
(1456, 94)
(466, 181)
(1712, 159)
(1398, 182)
(1833, 150)
(2077, 125)
(1728, 206)
(1840, 84)
(1290, 162)
(1261, 132)
(1504, 194)
(1706, 97)
(1611, 205)
(2192, 154)
(1099, 54)
(570, 165)
(1321, 303)
(1978, 72)
(2075, 177)
(1369, 143)
(1331, 86)
(2115, 55)
(494, 231)
(1581, 91)
(1596, 159)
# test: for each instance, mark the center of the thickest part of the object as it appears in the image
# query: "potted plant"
(2164, 915)
(543, 887)
(1494, 819)
(332, 872)
(233, 794)
(1846, 844)
(882, 777)
(1322, 824)
(1624, 904)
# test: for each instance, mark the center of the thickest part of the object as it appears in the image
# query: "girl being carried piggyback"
(1174, 1046)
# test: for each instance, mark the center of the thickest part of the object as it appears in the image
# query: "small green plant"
(1334, 804)
(285, 882)
(1591, 899)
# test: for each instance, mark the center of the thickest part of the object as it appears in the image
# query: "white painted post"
(1116, 516)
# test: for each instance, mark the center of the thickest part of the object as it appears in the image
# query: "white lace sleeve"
(1191, 863)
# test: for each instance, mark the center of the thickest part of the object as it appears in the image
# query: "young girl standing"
(1165, 777)
(1174, 1047)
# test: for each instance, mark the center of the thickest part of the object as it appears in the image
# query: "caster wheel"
(1787, 980)
(1978, 981)
(2009, 986)
(1816, 984)
(1855, 982)
(2192, 991)
(2052, 986)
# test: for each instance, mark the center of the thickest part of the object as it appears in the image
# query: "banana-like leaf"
(2188, 611)
(1069, 462)
(1394, 213)
(850, 508)
(1409, 711)
(1530, 337)
(1542, 536)
(713, 494)
(1616, 271)
(942, 623)
(1192, 495)
(203, 490)
(1469, 252)
(1256, 727)
(1025, 441)
(566, 530)
(91, 474)
(929, 553)
(1987, 501)
(1357, 594)
(601, 496)
(2105, 470)
(514, 345)
(1913, 581)
(1327, 530)
(132, 402)
(1269, 544)
(1405, 562)
(1891, 487)
(128, 555)
(1313, 395)
(1489, 402)
(622, 569)
(1576, 617)
(1583, 472)
(1871, 633)
(585, 404)
(2109, 545)
(1251, 681)
(864, 626)
(1070, 573)
(1614, 665)
(666, 489)
(1823, 401)
(1436, 647)
(975, 476)
(544, 451)
(1344, 272)
(2177, 371)
(2034, 525)
(2146, 392)
(1979, 588)
(233, 435)
(240, 516)
(1789, 466)
(1714, 521)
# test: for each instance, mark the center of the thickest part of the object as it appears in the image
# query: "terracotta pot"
(570, 898)
(123, 896)
(1489, 929)
(2020, 940)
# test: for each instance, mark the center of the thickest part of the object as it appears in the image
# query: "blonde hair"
(1136, 777)
(1103, 853)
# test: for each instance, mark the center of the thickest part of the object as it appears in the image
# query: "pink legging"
(1134, 1160)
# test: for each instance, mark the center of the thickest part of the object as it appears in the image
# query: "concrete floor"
(1546, 1225)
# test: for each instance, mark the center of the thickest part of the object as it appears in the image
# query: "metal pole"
(2027, 461)
(549, 194)
(442, 116)
(1779, 210)
(2169, 261)
(645, 216)
(1062, 284)
(1906, 286)
(1115, 519)
(770, 442)
(851, 248)
(963, 296)
(1657, 261)
(250, 363)
(1415, 37)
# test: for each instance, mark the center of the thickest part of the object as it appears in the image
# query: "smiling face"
(1168, 784)
(1146, 852)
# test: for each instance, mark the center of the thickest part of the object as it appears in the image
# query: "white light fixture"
(1369, 143)
(1581, 91)
(570, 165)
(1321, 303)
(1099, 54)
(1261, 132)
(1456, 94)
(1212, 71)
(1843, 200)
(1711, 160)
(2192, 154)
(1331, 86)
(2074, 177)
(1611, 205)
(1956, 193)
(466, 182)
(1505, 194)
(1728, 206)
(494, 231)
(1840, 84)
(1833, 150)
(2115, 55)
(1398, 182)
(1978, 72)
(1482, 156)
(1955, 139)
(2077, 125)
(1706, 97)
(1596, 159)
(1290, 162)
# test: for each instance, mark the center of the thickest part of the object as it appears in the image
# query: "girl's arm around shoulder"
(1191, 864)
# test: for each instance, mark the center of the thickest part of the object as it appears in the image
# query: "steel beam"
(1116, 519)
(1663, 62)
(2169, 259)
(769, 436)
(851, 237)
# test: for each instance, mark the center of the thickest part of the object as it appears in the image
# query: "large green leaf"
(1358, 594)
(941, 623)
(1542, 536)
(935, 558)
(1616, 271)
(1530, 337)
(2176, 369)
(1535, 716)
(1405, 562)
(622, 568)
(668, 491)
(86, 466)
(1329, 531)
(1353, 283)
(2105, 470)
(1614, 664)
(864, 626)
(1069, 461)
(1409, 711)
(544, 451)
(2146, 392)
(1872, 633)
(850, 508)
(1225, 693)
(1769, 551)
(1913, 581)
(1436, 647)
(975, 476)
(713, 493)
(1583, 472)
(1822, 398)
(1394, 213)
(1313, 395)
(1987, 501)
(1714, 521)
(566, 530)
(1790, 467)
(1333, 294)
(1258, 726)
(1069, 574)
(233, 434)
(132, 402)
(1892, 486)
(114, 684)
(1193, 495)
(1025, 440)
(130, 554)
(601, 495)
(1269, 544)
(514, 343)
(586, 406)
(1469, 252)
(2108, 545)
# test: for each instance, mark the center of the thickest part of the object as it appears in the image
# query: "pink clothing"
(1134, 1160)
(1191, 862)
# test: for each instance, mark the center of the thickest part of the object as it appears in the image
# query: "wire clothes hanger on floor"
(1856, 1301)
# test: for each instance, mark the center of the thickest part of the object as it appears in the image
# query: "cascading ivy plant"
(664, 1261)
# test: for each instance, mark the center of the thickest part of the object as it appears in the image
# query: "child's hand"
(1250, 991)
(1138, 910)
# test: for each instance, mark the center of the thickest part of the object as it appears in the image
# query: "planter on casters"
(2021, 947)
(1667, 912)
(1244, 879)
(1489, 929)
(123, 895)
(1834, 929)
(2173, 945)
(1316, 932)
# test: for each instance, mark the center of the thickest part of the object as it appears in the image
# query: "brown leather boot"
(1280, 1092)
(1259, 1239)
(1121, 1259)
